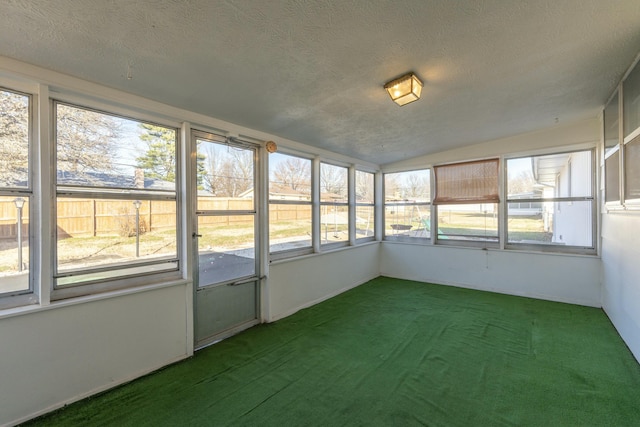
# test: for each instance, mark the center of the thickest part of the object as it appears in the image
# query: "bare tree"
(391, 187)
(86, 140)
(294, 173)
(417, 186)
(14, 139)
(521, 183)
(229, 170)
(333, 179)
(364, 186)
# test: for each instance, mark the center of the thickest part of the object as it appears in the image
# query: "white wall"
(621, 274)
(306, 281)
(557, 277)
(563, 278)
(69, 350)
(584, 133)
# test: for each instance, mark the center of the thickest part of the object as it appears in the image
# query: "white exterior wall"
(621, 275)
(572, 219)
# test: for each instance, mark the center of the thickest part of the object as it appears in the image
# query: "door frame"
(259, 233)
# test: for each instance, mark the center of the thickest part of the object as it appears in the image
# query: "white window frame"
(616, 202)
(427, 206)
(372, 205)
(556, 199)
(137, 275)
(30, 295)
(332, 245)
(306, 250)
(486, 243)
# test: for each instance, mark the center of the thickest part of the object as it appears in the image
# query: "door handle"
(194, 235)
(249, 280)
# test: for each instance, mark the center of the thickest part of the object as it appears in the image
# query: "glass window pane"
(105, 232)
(632, 169)
(365, 221)
(333, 183)
(469, 222)
(81, 277)
(14, 244)
(334, 223)
(612, 177)
(365, 184)
(407, 220)
(555, 175)
(558, 223)
(611, 125)
(100, 150)
(226, 249)
(14, 139)
(631, 101)
(289, 177)
(225, 171)
(411, 186)
(289, 226)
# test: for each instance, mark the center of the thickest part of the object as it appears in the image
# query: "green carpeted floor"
(394, 353)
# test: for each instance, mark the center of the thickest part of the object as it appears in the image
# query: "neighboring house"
(280, 192)
(568, 219)
(90, 179)
(526, 208)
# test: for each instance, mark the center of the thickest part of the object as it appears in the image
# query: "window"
(365, 205)
(632, 169)
(407, 205)
(225, 209)
(631, 109)
(631, 102)
(116, 204)
(612, 151)
(550, 202)
(334, 204)
(290, 208)
(15, 193)
(466, 201)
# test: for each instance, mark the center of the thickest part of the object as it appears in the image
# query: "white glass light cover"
(405, 89)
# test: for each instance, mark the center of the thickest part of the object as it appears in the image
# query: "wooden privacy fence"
(102, 217)
(283, 212)
(9, 219)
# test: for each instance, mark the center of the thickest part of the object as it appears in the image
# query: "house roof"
(111, 181)
(314, 71)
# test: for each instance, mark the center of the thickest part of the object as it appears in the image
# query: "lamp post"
(19, 201)
(137, 204)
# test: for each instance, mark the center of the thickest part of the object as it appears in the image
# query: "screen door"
(226, 267)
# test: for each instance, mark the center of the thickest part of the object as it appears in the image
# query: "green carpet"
(393, 353)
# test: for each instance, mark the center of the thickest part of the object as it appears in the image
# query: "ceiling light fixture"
(405, 89)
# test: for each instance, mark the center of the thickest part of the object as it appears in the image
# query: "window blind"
(468, 182)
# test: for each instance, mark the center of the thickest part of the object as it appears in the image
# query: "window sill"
(322, 252)
(528, 251)
(36, 308)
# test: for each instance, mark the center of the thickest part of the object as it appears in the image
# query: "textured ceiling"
(313, 71)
